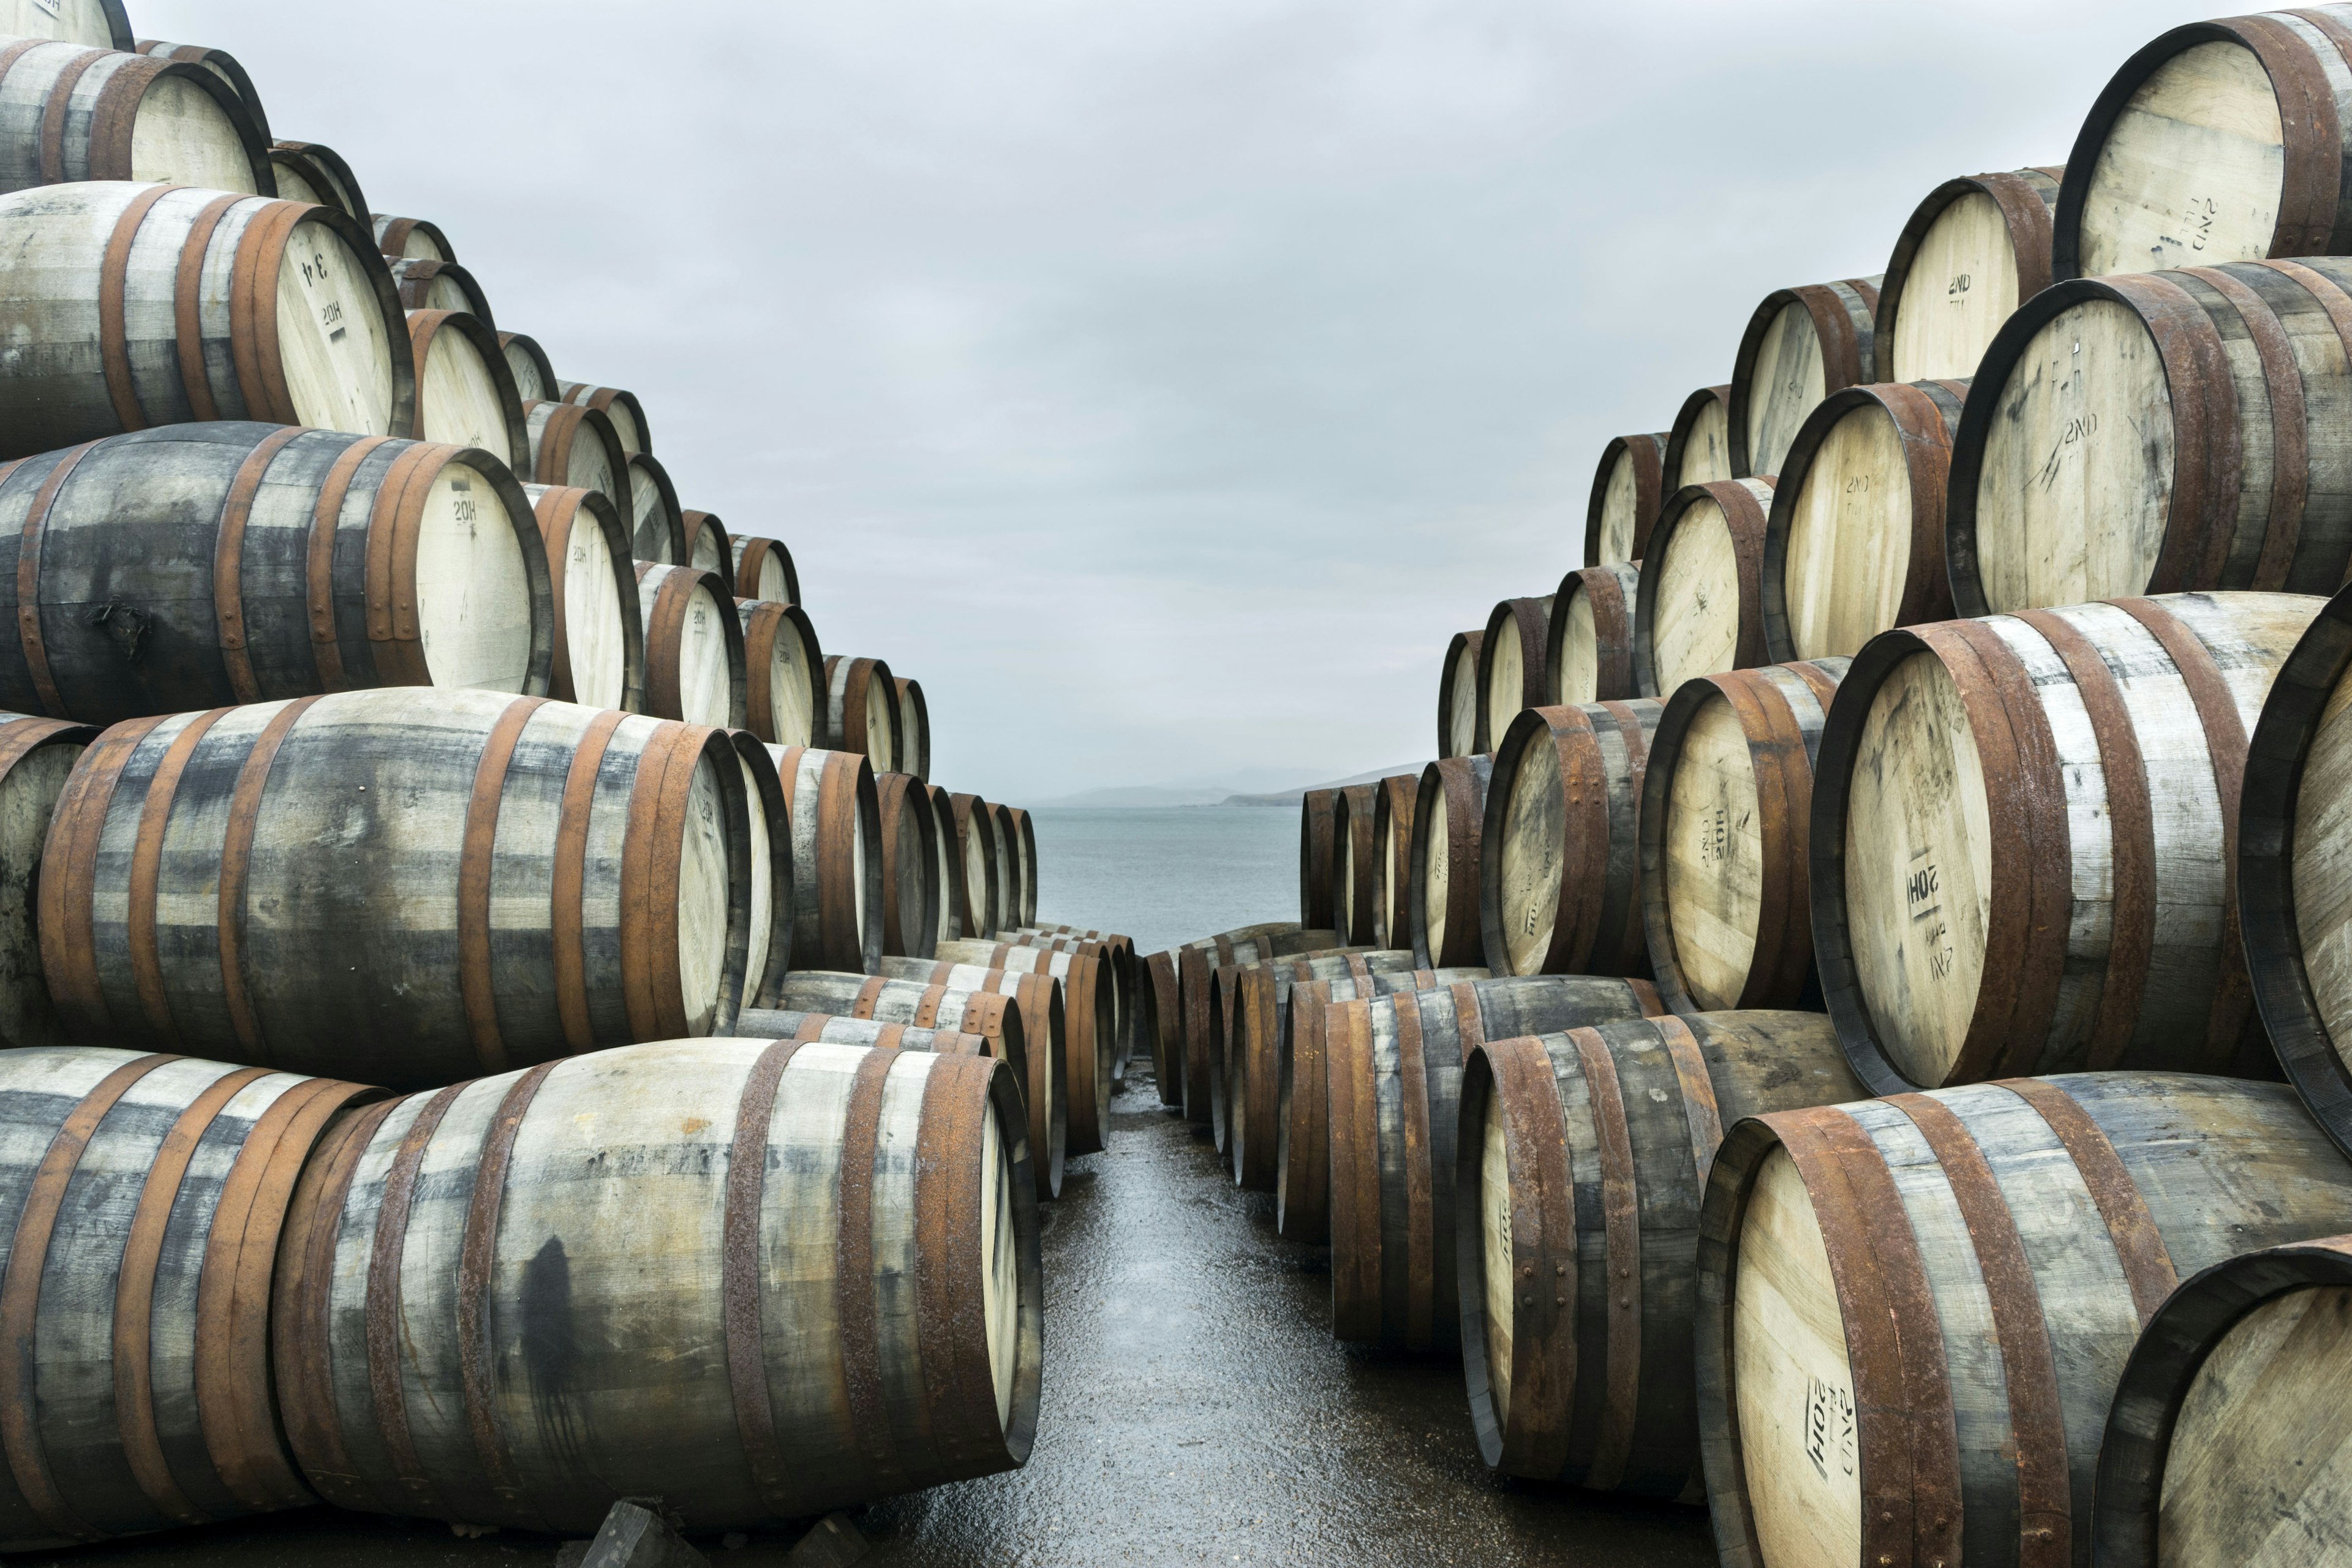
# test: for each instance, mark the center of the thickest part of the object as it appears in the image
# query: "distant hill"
(1293, 796)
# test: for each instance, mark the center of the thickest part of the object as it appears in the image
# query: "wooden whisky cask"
(828, 1293)
(466, 393)
(2291, 867)
(1249, 1069)
(204, 564)
(1913, 1312)
(782, 1023)
(915, 757)
(220, 63)
(1121, 969)
(1698, 448)
(910, 867)
(770, 949)
(425, 285)
(1584, 1157)
(73, 113)
(1588, 641)
(599, 656)
(1302, 1155)
(1012, 867)
(1511, 672)
(1355, 864)
(628, 415)
(1801, 345)
(2225, 1441)
(1392, 853)
(2219, 141)
(1853, 542)
(310, 882)
(2156, 432)
(695, 665)
(2025, 842)
(993, 1017)
(1162, 1026)
(534, 375)
(576, 446)
(1701, 606)
(1971, 252)
(950, 846)
(861, 711)
(1449, 815)
(145, 1197)
(410, 238)
(1626, 490)
(315, 173)
(836, 822)
(1039, 1002)
(975, 838)
(1196, 963)
(1727, 809)
(1092, 1021)
(1393, 1066)
(306, 329)
(1461, 721)
(1027, 828)
(1316, 810)
(783, 673)
(763, 569)
(1560, 868)
(99, 23)
(660, 521)
(36, 756)
(708, 548)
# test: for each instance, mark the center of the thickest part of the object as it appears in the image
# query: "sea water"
(1167, 875)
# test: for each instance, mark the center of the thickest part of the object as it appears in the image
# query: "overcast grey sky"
(1163, 383)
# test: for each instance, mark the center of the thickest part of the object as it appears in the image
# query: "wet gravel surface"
(1196, 1411)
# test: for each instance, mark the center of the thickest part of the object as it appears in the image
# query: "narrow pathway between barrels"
(1195, 1411)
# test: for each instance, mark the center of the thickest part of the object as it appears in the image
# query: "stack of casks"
(418, 832)
(1811, 1044)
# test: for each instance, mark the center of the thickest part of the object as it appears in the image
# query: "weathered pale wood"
(1248, 1074)
(466, 393)
(1853, 544)
(534, 375)
(1460, 719)
(2028, 846)
(1582, 1168)
(73, 112)
(1394, 1072)
(1196, 963)
(763, 569)
(1393, 848)
(1626, 490)
(344, 899)
(1047, 1016)
(1511, 673)
(769, 948)
(410, 238)
(812, 1286)
(952, 897)
(314, 171)
(1946, 1287)
(1700, 608)
(1449, 813)
(1092, 1021)
(142, 1200)
(628, 414)
(694, 668)
(660, 521)
(862, 716)
(577, 446)
(975, 838)
(910, 867)
(175, 569)
(1588, 642)
(1698, 448)
(1560, 877)
(1355, 864)
(1801, 345)
(428, 285)
(338, 360)
(599, 656)
(1726, 813)
(783, 1023)
(837, 819)
(785, 673)
(1973, 250)
(99, 23)
(1027, 829)
(35, 757)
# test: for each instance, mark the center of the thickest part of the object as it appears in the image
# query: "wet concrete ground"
(1195, 1411)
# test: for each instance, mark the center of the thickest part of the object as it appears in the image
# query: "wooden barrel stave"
(2105, 745)
(1626, 490)
(1316, 810)
(1853, 544)
(708, 548)
(1449, 813)
(1511, 671)
(835, 813)
(340, 360)
(533, 372)
(658, 521)
(2019, 1234)
(1801, 345)
(410, 238)
(861, 713)
(578, 446)
(783, 673)
(763, 569)
(1461, 719)
(1585, 1376)
(622, 407)
(1393, 1068)
(1727, 809)
(1560, 867)
(426, 285)
(1975, 248)
(910, 867)
(780, 1023)
(696, 667)
(599, 653)
(1698, 448)
(741, 1349)
(1700, 607)
(1588, 641)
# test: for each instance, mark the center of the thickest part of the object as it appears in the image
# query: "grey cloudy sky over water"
(1163, 383)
